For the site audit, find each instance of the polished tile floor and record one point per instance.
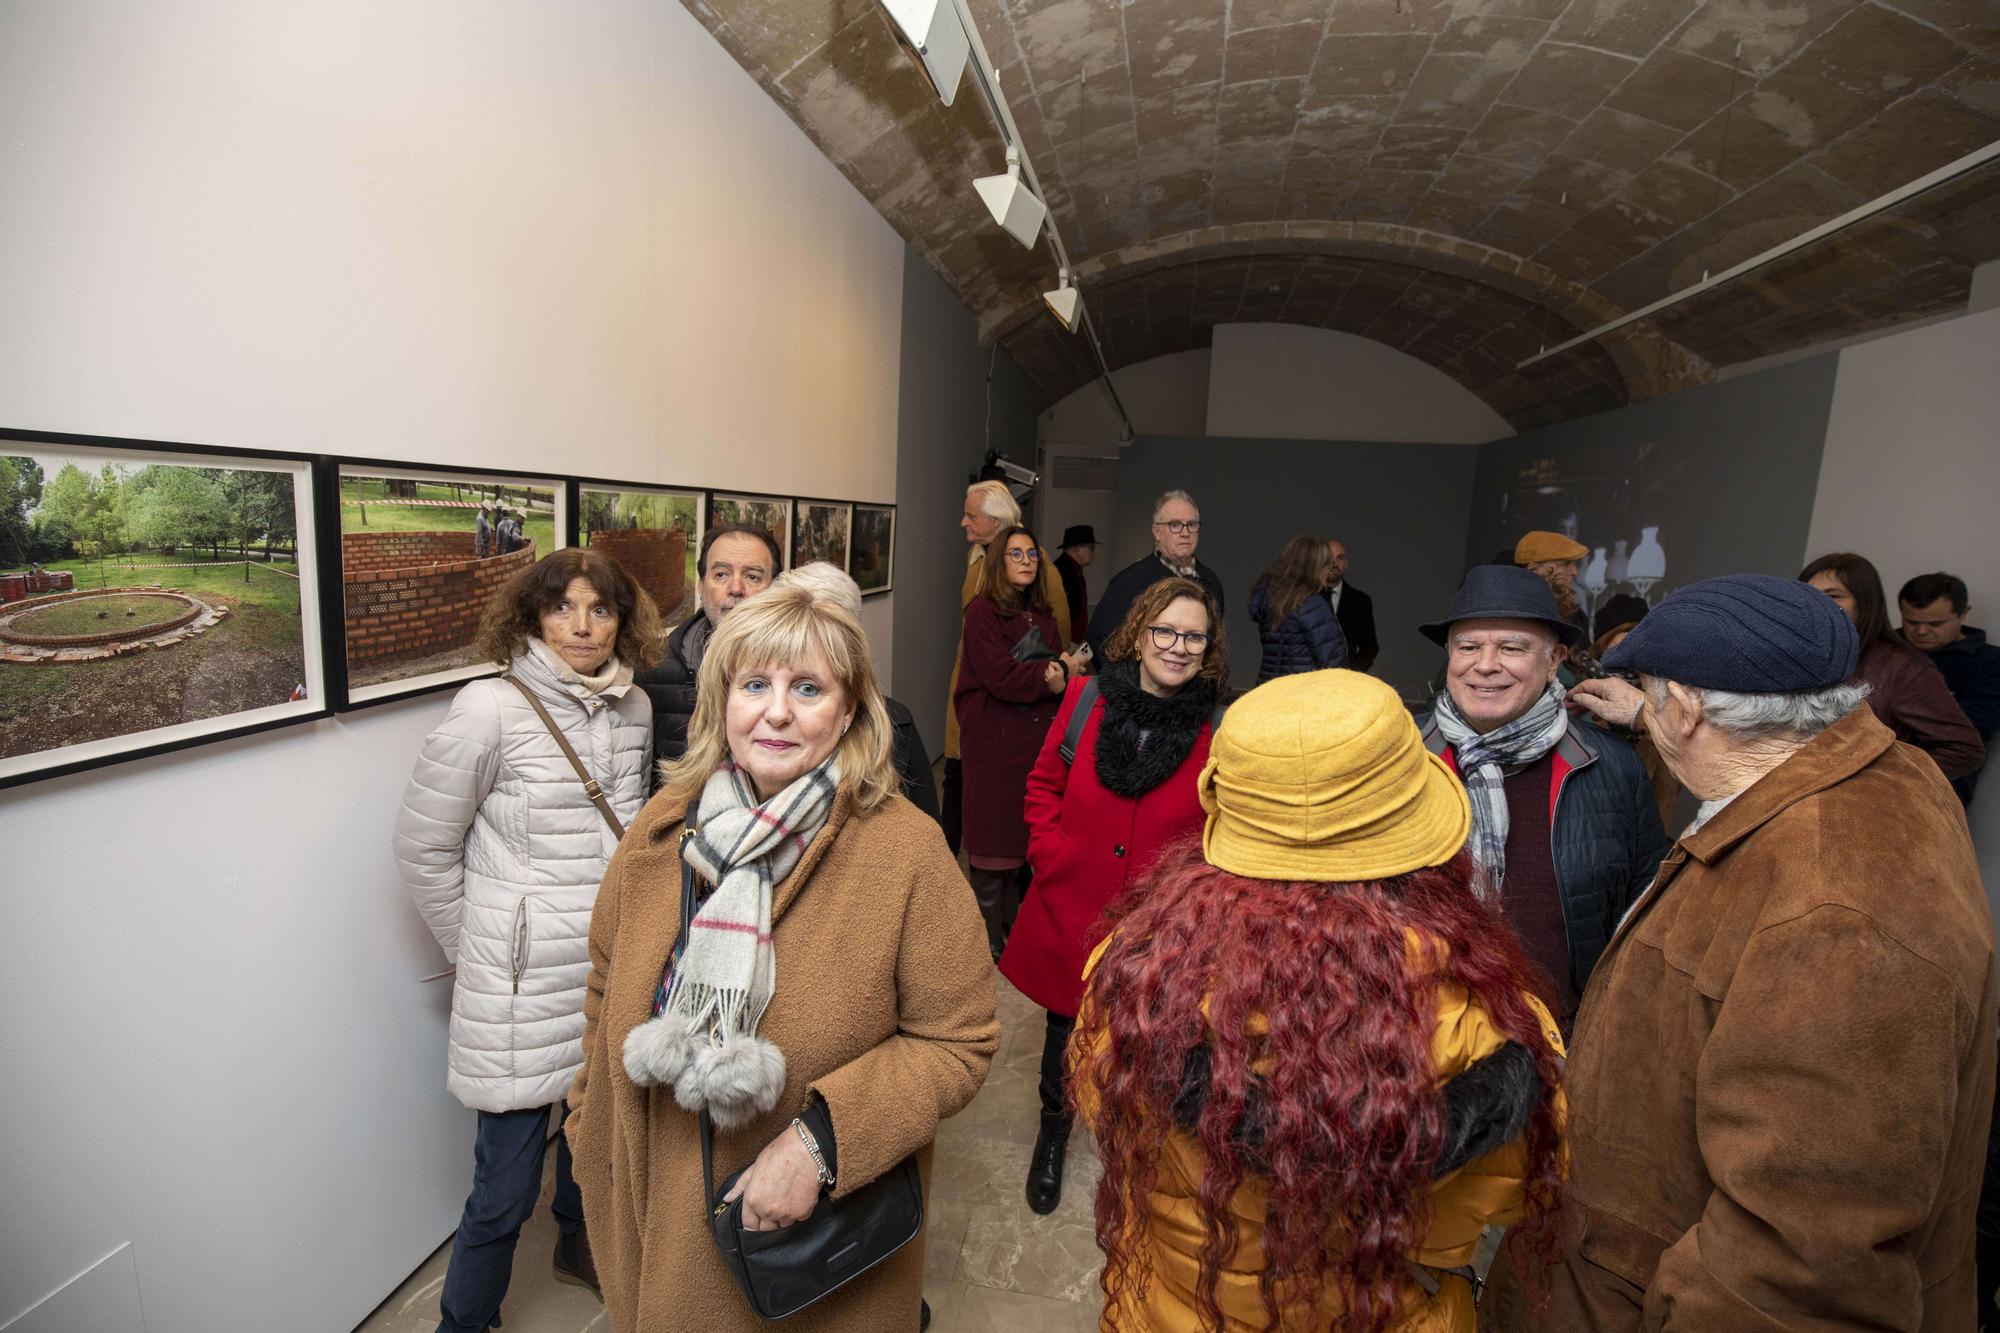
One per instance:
(991, 1265)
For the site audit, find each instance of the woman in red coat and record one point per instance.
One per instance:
(1009, 683)
(1096, 822)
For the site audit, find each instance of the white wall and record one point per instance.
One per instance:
(1911, 479)
(1167, 395)
(1289, 382)
(566, 237)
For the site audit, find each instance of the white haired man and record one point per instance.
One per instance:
(1176, 533)
(1783, 1067)
(990, 510)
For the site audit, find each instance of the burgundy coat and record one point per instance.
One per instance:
(1908, 693)
(1086, 844)
(1004, 708)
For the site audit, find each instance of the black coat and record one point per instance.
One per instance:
(1309, 639)
(1357, 624)
(1125, 588)
(913, 761)
(1607, 836)
(671, 687)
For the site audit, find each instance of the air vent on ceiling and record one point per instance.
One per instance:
(1075, 473)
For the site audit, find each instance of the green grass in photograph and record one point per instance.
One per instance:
(101, 615)
(273, 585)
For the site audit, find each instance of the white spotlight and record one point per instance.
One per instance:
(1012, 204)
(1065, 303)
(932, 32)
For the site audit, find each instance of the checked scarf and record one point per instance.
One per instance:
(1482, 763)
(703, 1035)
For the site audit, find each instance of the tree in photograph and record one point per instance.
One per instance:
(179, 506)
(20, 491)
(88, 511)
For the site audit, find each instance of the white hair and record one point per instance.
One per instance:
(826, 582)
(996, 501)
(1168, 497)
(1800, 714)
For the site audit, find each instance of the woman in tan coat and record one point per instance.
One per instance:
(833, 1003)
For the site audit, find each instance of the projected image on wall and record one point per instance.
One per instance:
(1618, 501)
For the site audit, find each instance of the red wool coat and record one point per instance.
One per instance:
(1086, 844)
(1003, 709)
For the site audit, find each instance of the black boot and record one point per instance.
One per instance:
(1045, 1167)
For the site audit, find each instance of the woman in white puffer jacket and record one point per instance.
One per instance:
(502, 847)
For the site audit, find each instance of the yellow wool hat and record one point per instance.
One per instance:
(1535, 547)
(1322, 776)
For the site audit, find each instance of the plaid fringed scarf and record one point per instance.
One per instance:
(1482, 762)
(703, 1038)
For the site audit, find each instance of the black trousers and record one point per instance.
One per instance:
(952, 801)
(1055, 1044)
(1986, 1245)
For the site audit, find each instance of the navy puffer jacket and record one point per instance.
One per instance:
(1309, 639)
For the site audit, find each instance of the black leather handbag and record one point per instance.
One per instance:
(782, 1272)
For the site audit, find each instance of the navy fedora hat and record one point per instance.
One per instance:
(1503, 592)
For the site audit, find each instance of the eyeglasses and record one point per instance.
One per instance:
(1027, 557)
(1165, 638)
(1180, 527)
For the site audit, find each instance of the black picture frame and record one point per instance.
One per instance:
(781, 532)
(582, 486)
(870, 583)
(844, 509)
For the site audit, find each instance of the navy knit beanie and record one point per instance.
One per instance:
(1746, 632)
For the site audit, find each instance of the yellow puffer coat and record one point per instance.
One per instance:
(1484, 1192)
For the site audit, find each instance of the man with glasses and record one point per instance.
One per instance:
(1176, 532)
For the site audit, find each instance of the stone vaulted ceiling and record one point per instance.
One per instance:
(1467, 180)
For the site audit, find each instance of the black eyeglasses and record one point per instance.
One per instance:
(1180, 527)
(1165, 638)
(1024, 557)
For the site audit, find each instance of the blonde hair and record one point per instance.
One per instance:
(996, 501)
(789, 625)
(826, 582)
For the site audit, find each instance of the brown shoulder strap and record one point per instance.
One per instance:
(590, 787)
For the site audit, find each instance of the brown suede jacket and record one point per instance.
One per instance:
(1783, 1067)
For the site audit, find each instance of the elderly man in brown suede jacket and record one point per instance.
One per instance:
(1783, 1065)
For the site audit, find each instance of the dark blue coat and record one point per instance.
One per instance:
(1309, 639)
(1607, 837)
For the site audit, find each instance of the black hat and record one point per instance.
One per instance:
(1616, 613)
(1752, 633)
(1503, 592)
(1079, 534)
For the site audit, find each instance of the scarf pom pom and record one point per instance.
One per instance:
(658, 1051)
(736, 1081)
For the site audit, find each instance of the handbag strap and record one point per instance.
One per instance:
(590, 787)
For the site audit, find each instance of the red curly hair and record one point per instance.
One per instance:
(1353, 1117)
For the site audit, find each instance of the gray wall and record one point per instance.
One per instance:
(1400, 508)
(1726, 472)
(940, 442)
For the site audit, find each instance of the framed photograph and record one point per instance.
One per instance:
(873, 562)
(152, 597)
(821, 530)
(420, 554)
(654, 533)
(769, 512)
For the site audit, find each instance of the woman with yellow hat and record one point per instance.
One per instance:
(1316, 1065)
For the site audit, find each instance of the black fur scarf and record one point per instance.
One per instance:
(1141, 738)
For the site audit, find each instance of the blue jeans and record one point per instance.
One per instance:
(506, 1178)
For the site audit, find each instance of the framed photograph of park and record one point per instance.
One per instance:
(420, 553)
(873, 561)
(152, 597)
(769, 512)
(654, 533)
(821, 530)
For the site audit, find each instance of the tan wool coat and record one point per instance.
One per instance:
(884, 1007)
(1783, 1067)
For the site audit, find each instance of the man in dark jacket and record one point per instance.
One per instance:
(1176, 532)
(1355, 610)
(1783, 1067)
(1564, 826)
(1079, 548)
(737, 562)
(1934, 608)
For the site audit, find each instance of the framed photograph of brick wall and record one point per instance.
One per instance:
(654, 532)
(415, 555)
(872, 560)
(152, 597)
(770, 512)
(821, 530)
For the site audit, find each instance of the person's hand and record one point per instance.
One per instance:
(1055, 677)
(1610, 700)
(780, 1187)
(1076, 658)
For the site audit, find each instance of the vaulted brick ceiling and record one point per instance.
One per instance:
(1468, 180)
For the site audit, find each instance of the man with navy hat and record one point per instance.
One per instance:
(1564, 826)
(1783, 1067)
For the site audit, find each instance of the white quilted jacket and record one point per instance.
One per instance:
(502, 851)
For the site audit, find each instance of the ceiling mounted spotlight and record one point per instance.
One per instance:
(1065, 303)
(1012, 204)
(933, 34)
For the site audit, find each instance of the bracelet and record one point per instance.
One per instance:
(812, 1150)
